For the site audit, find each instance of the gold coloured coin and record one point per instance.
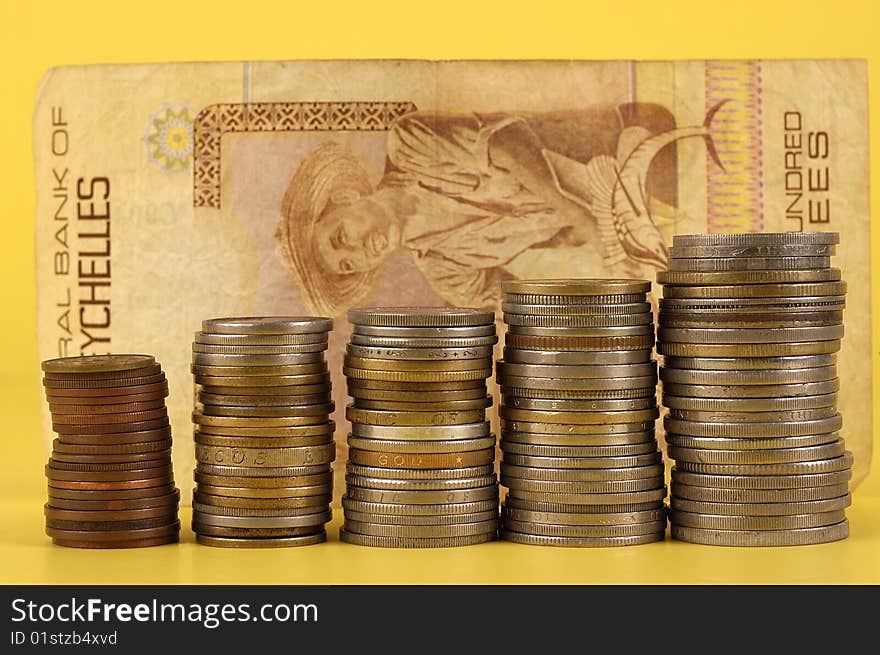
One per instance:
(576, 287)
(421, 316)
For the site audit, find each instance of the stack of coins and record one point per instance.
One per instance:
(750, 325)
(111, 483)
(421, 458)
(264, 438)
(578, 382)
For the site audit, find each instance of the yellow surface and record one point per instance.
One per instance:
(38, 35)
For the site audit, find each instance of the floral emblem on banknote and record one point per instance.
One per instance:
(169, 138)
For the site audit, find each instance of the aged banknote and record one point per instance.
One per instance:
(168, 193)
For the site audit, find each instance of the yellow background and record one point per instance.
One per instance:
(36, 36)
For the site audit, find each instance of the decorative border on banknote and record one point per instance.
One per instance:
(216, 120)
(734, 200)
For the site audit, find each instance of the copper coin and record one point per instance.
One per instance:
(93, 536)
(143, 372)
(65, 451)
(114, 505)
(117, 438)
(104, 385)
(112, 495)
(109, 428)
(112, 526)
(112, 485)
(218, 531)
(68, 462)
(261, 442)
(308, 480)
(171, 538)
(110, 396)
(97, 364)
(110, 418)
(83, 409)
(106, 515)
(146, 471)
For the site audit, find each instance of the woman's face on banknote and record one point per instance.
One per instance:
(356, 237)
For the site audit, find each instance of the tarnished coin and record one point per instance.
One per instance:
(750, 443)
(425, 332)
(422, 433)
(430, 512)
(576, 358)
(757, 457)
(420, 520)
(480, 403)
(112, 494)
(593, 405)
(590, 501)
(418, 376)
(419, 366)
(118, 438)
(563, 300)
(751, 429)
(578, 343)
(403, 475)
(567, 440)
(115, 538)
(603, 371)
(320, 411)
(304, 520)
(576, 287)
(67, 462)
(409, 447)
(421, 531)
(754, 482)
(840, 463)
(581, 486)
(415, 386)
(204, 420)
(782, 404)
(579, 394)
(576, 429)
(577, 321)
(262, 400)
(750, 239)
(579, 384)
(572, 309)
(294, 431)
(760, 509)
(266, 457)
(261, 542)
(581, 332)
(97, 430)
(572, 418)
(749, 263)
(60, 448)
(261, 340)
(226, 360)
(748, 349)
(402, 418)
(306, 383)
(380, 396)
(582, 462)
(248, 473)
(584, 519)
(756, 291)
(574, 453)
(252, 373)
(768, 320)
(488, 339)
(421, 316)
(267, 325)
(279, 503)
(397, 460)
(295, 349)
(789, 495)
(513, 502)
(752, 391)
(750, 363)
(752, 417)
(759, 304)
(777, 276)
(414, 542)
(109, 396)
(488, 491)
(749, 335)
(796, 537)
(390, 484)
(102, 420)
(102, 386)
(778, 522)
(419, 354)
(510, 472)
(752, 251)
(308, 494)
(584, 531)
(120, 408)
(580, 542)
(111, 504)
(97, 365)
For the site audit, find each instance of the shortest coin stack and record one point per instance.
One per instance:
(421, 456)
(264, 438)
(581, 462)
(111, 483)
(750, 326)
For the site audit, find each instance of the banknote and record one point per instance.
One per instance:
(168, 193)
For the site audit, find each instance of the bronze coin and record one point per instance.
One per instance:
(83, 409)
(421, 460)
(109, 396)
(309, 491)
(415, 386)
(109, 428)
(117, 438)
(109, 450)
(170, 538)
(110, 418)
(112, 526)
(112, 495)
(116, 364)
(114, 505)
(296, 502)
(123, 383)
(112, 485)
(261, 442)
(218, 531)
(128, 462)
(293, 390)
(146, 471)
(308, 480)
(120, 376)
(111, 536)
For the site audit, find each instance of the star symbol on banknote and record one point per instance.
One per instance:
(169, 137)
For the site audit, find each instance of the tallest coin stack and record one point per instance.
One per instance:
(750, 325)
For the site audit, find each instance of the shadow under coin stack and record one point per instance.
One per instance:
(750, 325)
(578, 382)
(421, 458)
(264, 438)
(111, 483)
